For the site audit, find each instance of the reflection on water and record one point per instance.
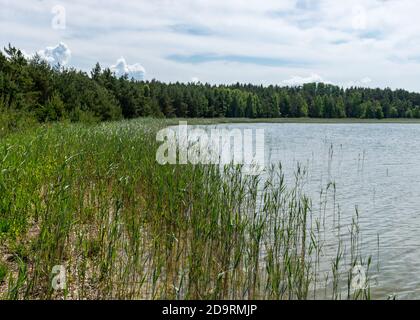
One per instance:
(376, 169)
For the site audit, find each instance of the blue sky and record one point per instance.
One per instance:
(373, 43)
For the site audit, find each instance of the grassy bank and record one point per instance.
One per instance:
(93, 199)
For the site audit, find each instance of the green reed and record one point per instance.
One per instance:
(94, 199)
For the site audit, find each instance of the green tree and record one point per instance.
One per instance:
(284, 103)
(339, 108)
(251, 106)
(393, 113)
(409, 114)
(317, 109)
(54, 109)
(299, 107)
(379, 114)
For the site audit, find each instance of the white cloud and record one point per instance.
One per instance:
(195, 80)
(135, 71)
(60, 54)
(340, 40)
(366, 80)
(298, 80)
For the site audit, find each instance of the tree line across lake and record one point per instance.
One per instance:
(32, 89)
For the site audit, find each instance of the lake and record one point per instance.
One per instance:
(376, 168)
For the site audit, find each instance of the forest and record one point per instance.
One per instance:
(33, 91)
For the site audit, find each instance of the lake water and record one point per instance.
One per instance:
(376, 168)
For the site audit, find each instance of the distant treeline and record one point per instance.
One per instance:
(34, 88)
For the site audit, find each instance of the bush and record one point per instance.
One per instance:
(53, 110)
(409, 114)
(393, 113)
(84, 116)
(13, 121)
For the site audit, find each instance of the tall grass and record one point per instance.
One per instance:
(93, 198)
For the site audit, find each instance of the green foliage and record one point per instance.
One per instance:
(3, 272)
(409, 114)
(379, 114)
(317, 108)
(84, 116)
(53, 110)
(340, 111)
(416, 112)
(12, 120)
(36, 90)
(251, 106)
(298, 107)
(393, 113)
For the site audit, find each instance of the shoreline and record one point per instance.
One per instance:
(295, 120)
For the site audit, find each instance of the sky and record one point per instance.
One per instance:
(371, 43)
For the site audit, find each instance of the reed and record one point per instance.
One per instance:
(93, 199)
